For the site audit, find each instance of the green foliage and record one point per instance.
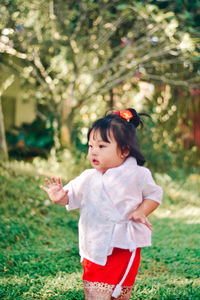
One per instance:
(30, 140)
(39, 241)
(186, 11)
(71, 55)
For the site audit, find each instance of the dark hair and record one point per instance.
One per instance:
(124, 131)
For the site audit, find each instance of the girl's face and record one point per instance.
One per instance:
(105, 155)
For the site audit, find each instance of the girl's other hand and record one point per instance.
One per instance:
(138, 216)
(55, 191)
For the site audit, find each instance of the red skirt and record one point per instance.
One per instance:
(114, 269)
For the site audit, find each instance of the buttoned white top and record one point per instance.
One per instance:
(105, 202)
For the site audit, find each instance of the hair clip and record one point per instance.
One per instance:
(125, 114)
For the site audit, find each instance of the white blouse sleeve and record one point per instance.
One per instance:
(75, 190)
(150, 189)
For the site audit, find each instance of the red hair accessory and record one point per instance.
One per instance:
(125, 114)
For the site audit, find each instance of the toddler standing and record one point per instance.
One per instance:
(115, 198)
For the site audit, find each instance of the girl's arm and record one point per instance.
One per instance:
(56, 192)
(143, 210)
(147, 206)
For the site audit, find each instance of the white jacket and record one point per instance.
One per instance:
(105, 202)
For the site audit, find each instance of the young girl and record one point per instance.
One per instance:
(115, 198)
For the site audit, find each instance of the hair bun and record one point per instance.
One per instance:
(131, 116)
(135, 120)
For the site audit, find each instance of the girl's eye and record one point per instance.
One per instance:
(101, 146)
(90, 146)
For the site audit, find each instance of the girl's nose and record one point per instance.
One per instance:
(94, 150)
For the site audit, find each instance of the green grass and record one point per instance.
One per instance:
(39, 242)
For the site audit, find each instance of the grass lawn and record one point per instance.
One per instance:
(39, 242)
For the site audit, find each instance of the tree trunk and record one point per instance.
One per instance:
(3, 145)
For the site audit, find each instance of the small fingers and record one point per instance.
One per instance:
(130, 217)
(47, 181)
(44, 188)
(148, 224)
(56, 181)
(59, 181)
(142, 220)
(53, 179)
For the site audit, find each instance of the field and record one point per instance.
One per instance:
(39, 242)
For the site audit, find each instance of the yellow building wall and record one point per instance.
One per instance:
(24, 111)
(16, 110)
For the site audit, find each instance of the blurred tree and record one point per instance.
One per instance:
(3, 144)
(176, 109)
(187, 12)
(70, 52)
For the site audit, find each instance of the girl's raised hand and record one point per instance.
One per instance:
(55, 191)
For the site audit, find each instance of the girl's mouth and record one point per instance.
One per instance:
(95, 162)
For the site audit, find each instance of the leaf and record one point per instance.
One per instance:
(122, 6)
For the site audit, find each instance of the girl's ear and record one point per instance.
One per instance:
(125, 153)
